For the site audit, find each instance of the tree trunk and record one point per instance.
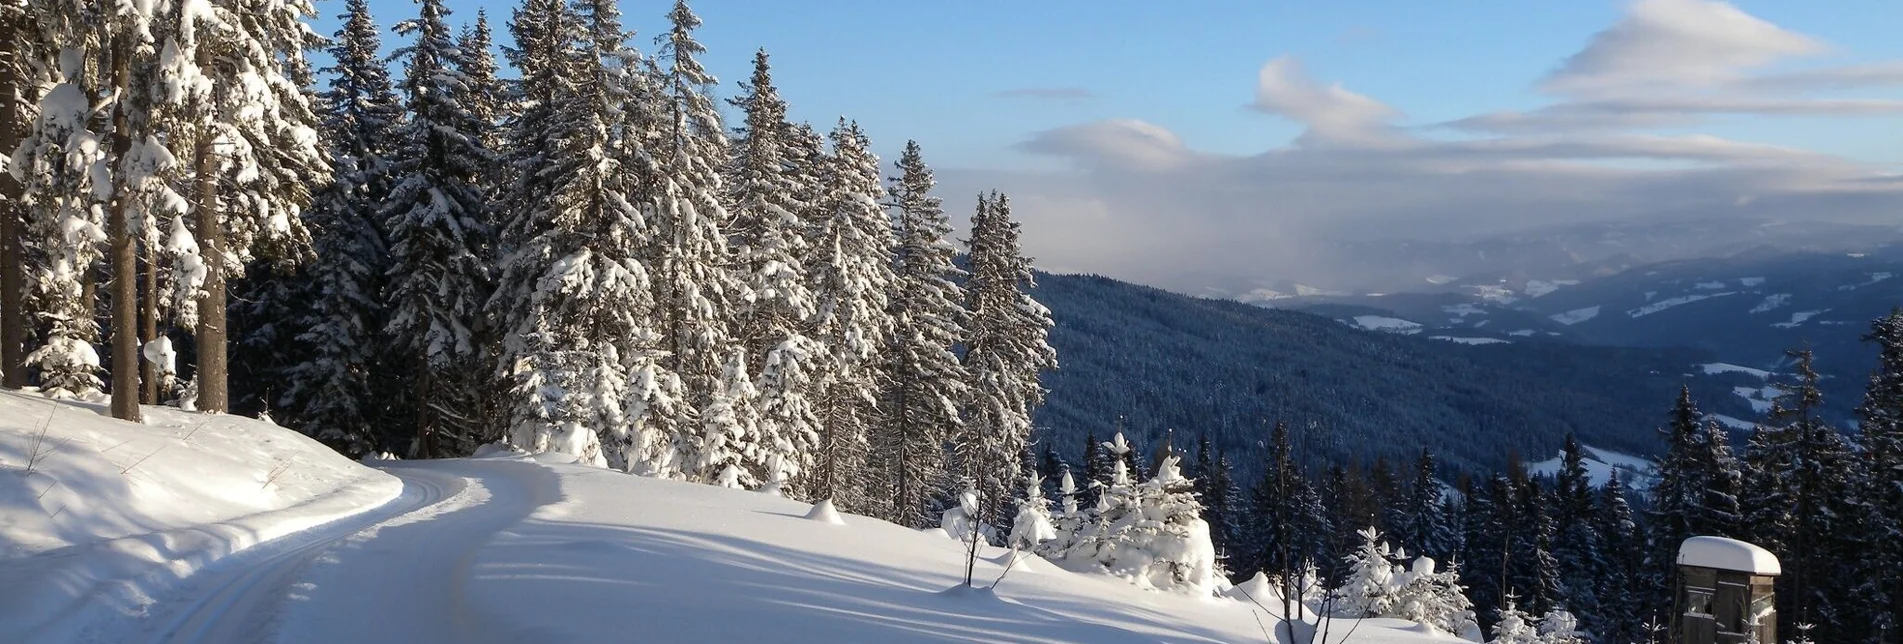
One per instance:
(420, 447)
(12, 282)
(213, 396)
(149, 322)
(124, 254)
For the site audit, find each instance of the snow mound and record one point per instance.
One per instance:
(108, 513)
(823, 512)
(1576, 316)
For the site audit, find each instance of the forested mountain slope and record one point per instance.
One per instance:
(1149, 361)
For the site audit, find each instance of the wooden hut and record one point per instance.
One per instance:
(1724, 593)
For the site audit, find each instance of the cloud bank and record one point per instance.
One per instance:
(1137, 203)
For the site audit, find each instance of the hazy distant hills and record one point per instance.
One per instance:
(1148, 361)
(1746, 309)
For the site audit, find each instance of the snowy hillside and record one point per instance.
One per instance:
(219, 528)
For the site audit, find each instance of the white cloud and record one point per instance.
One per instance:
(1125, 143)
(1676, 43)
(1332, 114)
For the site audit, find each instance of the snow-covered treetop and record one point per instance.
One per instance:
(1728, 554)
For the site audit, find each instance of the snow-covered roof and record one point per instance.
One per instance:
(1727, 554)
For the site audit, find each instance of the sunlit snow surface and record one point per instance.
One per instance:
(200, 543)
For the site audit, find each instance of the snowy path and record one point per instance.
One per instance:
(392, 574)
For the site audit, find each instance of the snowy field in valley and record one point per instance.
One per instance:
(220, 528)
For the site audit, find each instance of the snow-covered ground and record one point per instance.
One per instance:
(1576, 316)
(1714, 368)
(1637, 472)
(1461, 340)
(217, 528)
(1387, 324)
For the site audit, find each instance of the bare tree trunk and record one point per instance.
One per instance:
(124, 254)
(213, 396)
(12, 277)
(421, 447)
(149, 322)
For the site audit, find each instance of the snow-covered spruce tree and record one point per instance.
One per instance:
(437, 217)
(342, 388)
(19, 92)
(1217, 492)
(1531, 568)
(582, 349)
(1424, 596)
(1422, 525)
(1561, 627)
(1879, 482)
(1150, 533)
(1034, 524)
(695, 284)
(488, 93)
(769, 240)
(1625, 546)
(255, 160)
(1006, 349)
(1696, 493)
(925, 384)
(1069, 523)
(1515, 626)
(1577, 547)
(1370, 587)
(1795, 473)
(56, 165)
(730, 437)
(1286, 523)
(851, 272)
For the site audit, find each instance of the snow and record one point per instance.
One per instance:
(1667, 303)
(1576, 316)
(1772, 302)
(823, 512)
(1750, 282)
(1438, 280)
(1601, 465)
(1387, 324)
(1798, 318)
(1520, 333)
(1732, 422)
(199, 543)
(1759, 397)
(1495, 293)
(1537, 288)
(1475, 341)
(114, 511)
(1715, 368)
(1709, 286)
(1463, 310)
(1874, 278)
(1727, 554)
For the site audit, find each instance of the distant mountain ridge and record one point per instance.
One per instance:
(1148, 361)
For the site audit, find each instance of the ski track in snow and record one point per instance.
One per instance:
(394, 573)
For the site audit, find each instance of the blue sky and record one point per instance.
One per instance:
(1138, 136)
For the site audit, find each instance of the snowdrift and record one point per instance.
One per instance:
(111, 511)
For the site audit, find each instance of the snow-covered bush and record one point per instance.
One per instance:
(1151, 533)
(1515, 627)
(1033, 523)
(1560, 627)
(1435, 599)
(1370, 587)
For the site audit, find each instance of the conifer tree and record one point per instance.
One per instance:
(1422, 525)
(925, 384)
(336, 392)
(769, 245)
(852, 276)
(1006, 346)
(1096, 470)
(696, 288)
(1576, 543)
(1795, 486)
(437, 219)
(1696, 493)
(1624, 603)
(1216, 490)
(19, 47)
(1879, 483)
